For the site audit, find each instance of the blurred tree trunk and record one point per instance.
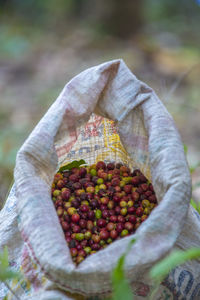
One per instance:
(122, 18)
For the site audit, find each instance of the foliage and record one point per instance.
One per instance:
(5, 272)
(121, 288)
(195, 205)
(177, 257)
(73, 164)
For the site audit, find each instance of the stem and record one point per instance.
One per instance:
(7, 285)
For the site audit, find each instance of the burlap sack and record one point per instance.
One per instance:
(68, 131)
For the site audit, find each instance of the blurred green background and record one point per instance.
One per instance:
(44, 43)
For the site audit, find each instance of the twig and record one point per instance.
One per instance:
(179, 80)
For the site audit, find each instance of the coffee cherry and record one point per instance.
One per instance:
(99, 204)
(110, 166)
(111, 212)
(87, 235)
(90, 189)
(84, 208)
(87, 250)
(109, 177)
(139, 211)
(96, 238)
(101, 223)
(79, 259)
(90, 225)
(91, 215)
(123, 203)
(60, 211)
(113, 234)
(130, 203)
(132, 219)
(83, 243)
(75, 218)
(82, 253)
(144, 187)
(57, 177)
(118, 165)
(94, 204)
(128, 189)
(144, 217)
(93, 172)
(135, 180)
(123, 211)
(116, 198)
(65, 226)
(100, 165)
(124, 232)
(74, 177)
(111, 204)
(129, 226)
(82, 172)
(104, 200)
(95, 247)
(79, 236)
(117, 210)
(110, 226)
(119, 227)
(98, 214)
(115, 182)
(145, 203)
(74, 252)
(135, 196)
(75, 203)
(77, 186)
(104, 234)
(120, 219)
(113, 218)
(71, 210)
(117, 189)
(105, 214)
(66, 217)
(153, 199)
(147, 211)
(79, 247)
(76, 228)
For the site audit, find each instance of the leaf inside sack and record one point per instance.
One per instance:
(73, 164)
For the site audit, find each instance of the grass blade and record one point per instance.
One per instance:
(161, 269)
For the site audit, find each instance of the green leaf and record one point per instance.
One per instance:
(193, 203)
(185, 149)
(73, 164)
(121, 288)
(4, 263)
(178, 257)
(5, 272)
(193, 168)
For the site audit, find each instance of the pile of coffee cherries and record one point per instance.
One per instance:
(99, 204)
